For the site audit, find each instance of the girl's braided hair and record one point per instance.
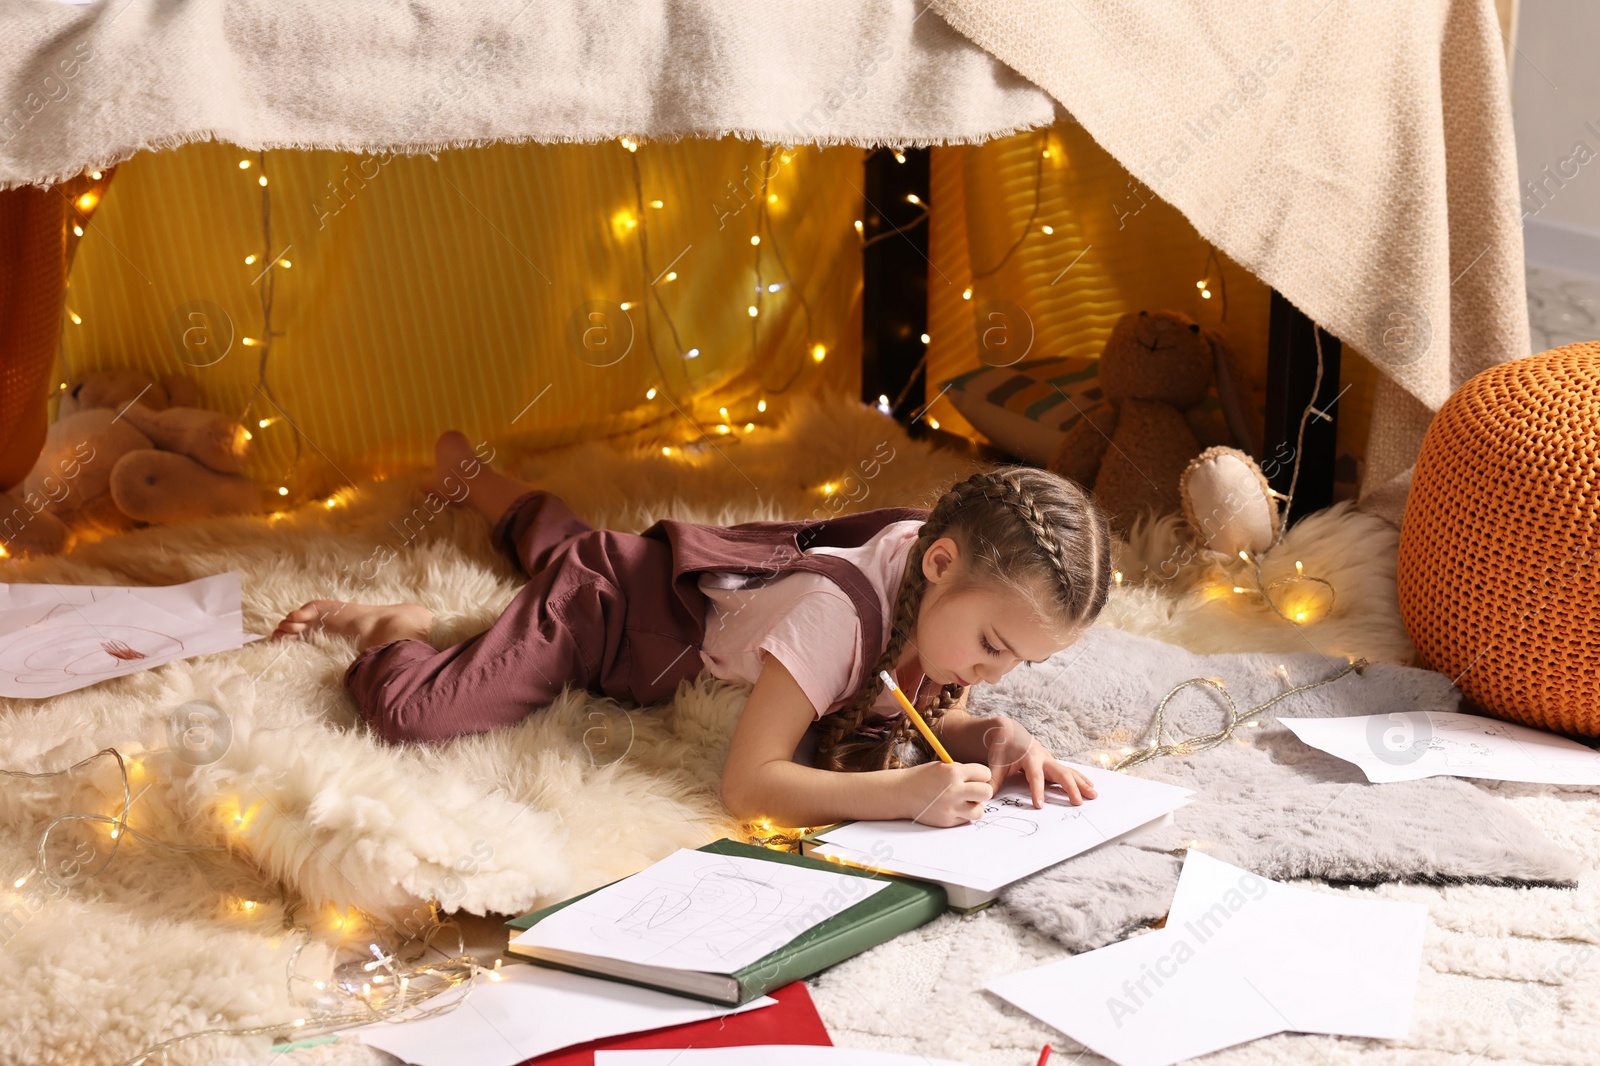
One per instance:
(1033, 531)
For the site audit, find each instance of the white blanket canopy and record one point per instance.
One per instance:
(1356, 157)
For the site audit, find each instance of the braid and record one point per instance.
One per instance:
(1043, 520)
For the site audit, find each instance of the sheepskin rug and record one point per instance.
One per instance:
(310, 820)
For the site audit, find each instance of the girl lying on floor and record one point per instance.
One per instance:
(1009, 566)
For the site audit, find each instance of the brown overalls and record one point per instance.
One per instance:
(620, 614)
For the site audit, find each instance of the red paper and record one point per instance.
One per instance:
(792, 1020)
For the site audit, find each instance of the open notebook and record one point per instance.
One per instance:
(1012, 840)
(727, 922)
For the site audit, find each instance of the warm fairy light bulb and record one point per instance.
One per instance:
(262, 180)
(827, 488)
(775, 286)
(248, 904)
(761, 406)
(692, 353)
(625, 305)
(784, 158)
(934, 423)
(772, 197)
(818, 352)
(87, 201)
(1045, 153)
(672, 275)
(755, 239)
(1048, 230)
(77, 231)
(723, 411)
(748, 426)
(1205, 294)
(249, 260)
(96, 175)
(657, 204)
(666, 449)
(650, 394)
(1244, 555)
(19, 882)
(911, 198)
(244, 164)
(858, 227)
(285, 264)
(1299, 569)
(723, 428)
(753, 311)
(966, 293)
(1116, 576)
(926, 339)
(1236, 588)
(630, 144)
(283, 490)
(899, 156)
(76, 321)
(264, 423)
(883, 404)
(1300, 616)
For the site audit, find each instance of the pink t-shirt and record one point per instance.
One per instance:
(805, 621)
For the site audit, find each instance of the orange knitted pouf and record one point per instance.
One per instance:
(1498, 577)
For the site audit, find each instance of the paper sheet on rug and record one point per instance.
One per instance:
(1012, 839)
(767, 1055)
(1408, 745)
(695, 910)
(58, 638)
(532, 1011)
(1240, 957)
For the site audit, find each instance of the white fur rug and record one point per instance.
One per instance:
(311, 816)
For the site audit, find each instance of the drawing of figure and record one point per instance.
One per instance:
(53, 654)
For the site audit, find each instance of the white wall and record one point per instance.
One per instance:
(1555, 94)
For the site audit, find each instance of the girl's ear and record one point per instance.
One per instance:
(939, 559)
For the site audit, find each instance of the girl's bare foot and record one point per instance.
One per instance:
(367, 624)
(460, 475)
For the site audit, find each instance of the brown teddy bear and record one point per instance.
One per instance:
(1133, 446)
(121, 455)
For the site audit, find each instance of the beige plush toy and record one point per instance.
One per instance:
(1132, 447)
(113, 461)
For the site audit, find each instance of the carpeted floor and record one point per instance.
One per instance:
(305, 816)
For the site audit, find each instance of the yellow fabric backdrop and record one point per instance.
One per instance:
(483, 289)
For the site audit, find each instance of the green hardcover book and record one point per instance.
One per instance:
(902, 906)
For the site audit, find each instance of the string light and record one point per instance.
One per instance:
(753, 310)
(657, 204)
(672, 275)
(966, 293)
(1116, 578)
(692, 353)
(762, 406)
(933, 422)
(76, 320)
(77, 230)
(249, 260)
(629, 143)
(818, 353)
(625, 305)
(87, 201)
(1047, 230)
(244, 164)
(1157, 749)
(756, 239)
(883, 404)
(262, 181)
(650, 393)
(912, 198)
(926, 339)
(899, 156)
(96, 175)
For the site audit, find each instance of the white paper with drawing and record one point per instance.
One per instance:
(697, 911)
(58, 638)
(1407, 745)
(1012, 839)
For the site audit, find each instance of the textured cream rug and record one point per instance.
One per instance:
(310, 816)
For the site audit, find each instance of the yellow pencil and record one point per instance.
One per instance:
(916, 719)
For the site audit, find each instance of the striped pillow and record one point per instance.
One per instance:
(1026, 408)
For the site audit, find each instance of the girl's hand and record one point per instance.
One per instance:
(946, 794)
(1012, 748)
